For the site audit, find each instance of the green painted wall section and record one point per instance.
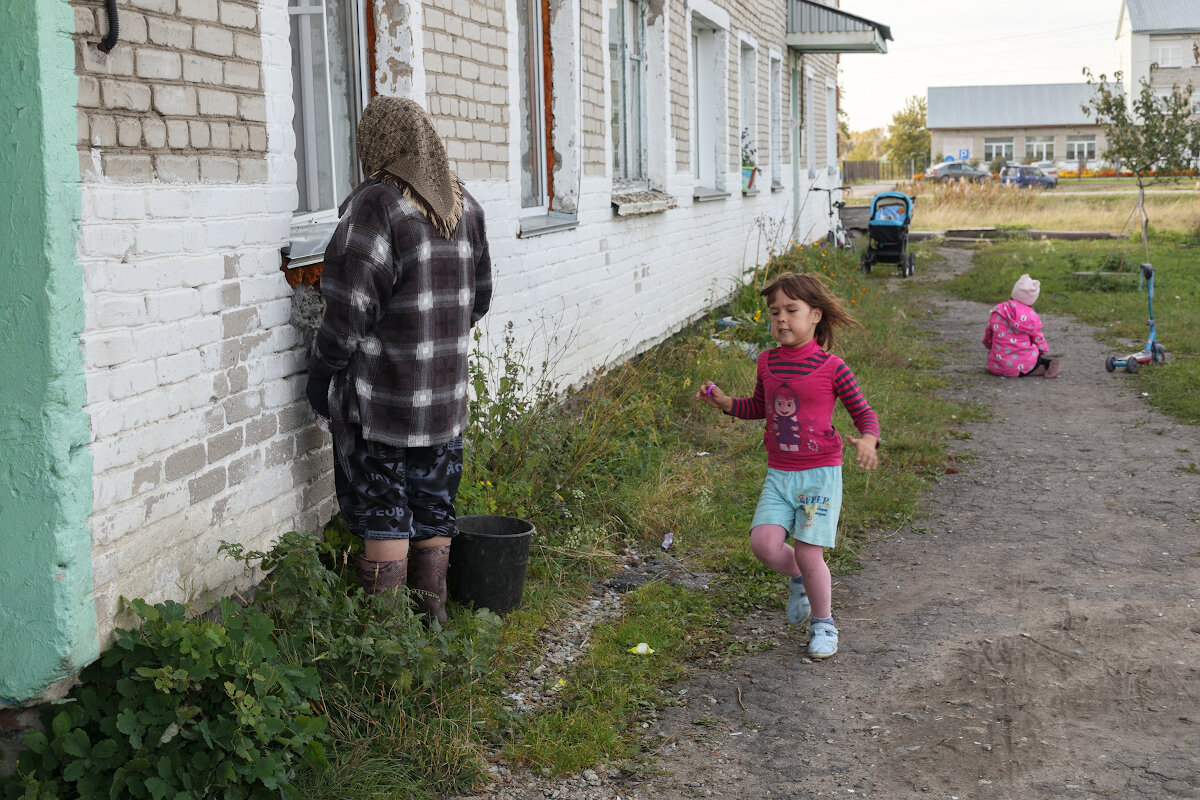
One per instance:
(47, 618)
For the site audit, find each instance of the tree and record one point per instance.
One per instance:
(1146, 133)
(843, 124)
(865, 145)
(908, 138)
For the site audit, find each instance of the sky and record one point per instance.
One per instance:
(947, 43)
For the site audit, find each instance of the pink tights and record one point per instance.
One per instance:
(768, 545)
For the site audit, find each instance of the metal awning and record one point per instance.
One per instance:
(813, 27)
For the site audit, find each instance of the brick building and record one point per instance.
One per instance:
(1021, 123)
(152, 376)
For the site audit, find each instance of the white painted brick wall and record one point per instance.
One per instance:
(195, 374)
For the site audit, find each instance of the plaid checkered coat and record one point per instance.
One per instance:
(400, 303)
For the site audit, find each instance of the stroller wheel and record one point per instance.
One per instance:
(867, 263)
(1111, 363)
(1131, 365)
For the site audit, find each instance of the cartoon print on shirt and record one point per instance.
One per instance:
(784, 424)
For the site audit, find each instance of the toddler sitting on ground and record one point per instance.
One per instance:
(1014, 338)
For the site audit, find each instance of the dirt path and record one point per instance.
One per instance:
(1036, 635)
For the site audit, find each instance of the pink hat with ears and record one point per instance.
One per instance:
(1026, 290)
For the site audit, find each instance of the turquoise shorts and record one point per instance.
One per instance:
(805, 503)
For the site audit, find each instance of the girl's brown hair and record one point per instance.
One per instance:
(812, 290)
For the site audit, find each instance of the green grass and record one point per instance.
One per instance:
(1112, 302)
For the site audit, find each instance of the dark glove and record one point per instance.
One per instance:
(317, 391)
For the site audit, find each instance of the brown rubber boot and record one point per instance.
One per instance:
(1052, 369)
(428, 580)
(380, 577)
(1040, 369)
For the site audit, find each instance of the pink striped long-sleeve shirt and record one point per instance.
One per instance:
(795, 392)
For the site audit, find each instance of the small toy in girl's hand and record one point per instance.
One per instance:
(642, 649)
(708, 391)
(667, 540)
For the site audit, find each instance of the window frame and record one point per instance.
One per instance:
(1006, 144)
(1172, 49)
(705, 98)
(810, 120)
(1039, 148)
(628, 108)
(1072, 147)
(360, 78)
(534, 123)
(831, 129)
(775, 115)
(748, 96)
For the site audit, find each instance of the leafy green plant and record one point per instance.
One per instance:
(182, 707)
(398, 696)
(357, 643)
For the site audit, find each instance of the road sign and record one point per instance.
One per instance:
(963, 154)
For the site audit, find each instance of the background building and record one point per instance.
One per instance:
(1028, 123)
(1158, 41)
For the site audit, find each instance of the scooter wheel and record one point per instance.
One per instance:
(1131, 364)
(1111, 363)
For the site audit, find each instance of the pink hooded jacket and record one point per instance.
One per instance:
(1013, 338)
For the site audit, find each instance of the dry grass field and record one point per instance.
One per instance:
(964, 205)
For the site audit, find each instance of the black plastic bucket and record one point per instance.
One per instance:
(488, 559)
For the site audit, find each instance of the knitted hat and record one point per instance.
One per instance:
(396, 138)
(1026, 290)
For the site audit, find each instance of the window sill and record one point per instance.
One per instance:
(541, 224)
(638, 201)
(749, 192)
(303, 257)
(307, 243)
(702, 194)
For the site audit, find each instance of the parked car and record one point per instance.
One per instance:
(1022, 175)
(957, 170)
(1047, 168)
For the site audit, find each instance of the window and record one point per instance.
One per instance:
(748, 103)
(329, 92)
(775, 111)
(627, 60)
(705, 108)
(1081, 147)
(531, 60)
(810, 121)
(830, 124)
(1039, 148)
(1000, 147)
(1167, 53)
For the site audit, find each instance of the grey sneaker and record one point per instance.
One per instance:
(822, 641)
(798, 607)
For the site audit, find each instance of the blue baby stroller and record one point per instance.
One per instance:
(887, 232)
